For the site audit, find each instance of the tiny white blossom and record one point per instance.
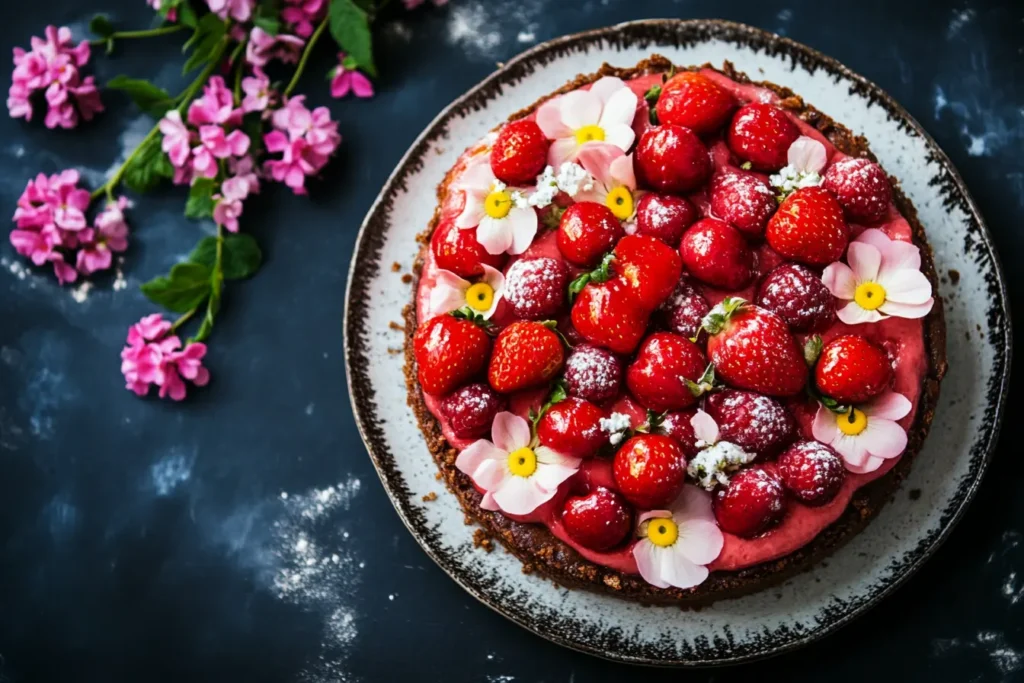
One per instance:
(498, 186)
(616, 423)
(712, 465)
(519, 199)
(572, 178)
(547, 189)
(789, 179)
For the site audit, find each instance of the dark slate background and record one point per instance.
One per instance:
(146, 541)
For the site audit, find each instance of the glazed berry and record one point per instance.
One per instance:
(458, 251)
(664, 217)
(649, 470)
(671, 159)
(743, 200)
(449, 352)
(812, 472)
(586, 232)
(573, 428)
(677, 426)
(650, 269)
(761, 134)
(799, 297)
(852, 369)
(598, 520)
(470, 410)
(608, 316)
(657, 378)
(526, 354)
(593, 374)
(520, 153)
(693, 100)
(684, 310)
(714, 252)
(752, 502)
(758, 424)
(861, 187)
(535, 288)
(809, 228)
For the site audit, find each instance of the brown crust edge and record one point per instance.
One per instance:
(540, 551)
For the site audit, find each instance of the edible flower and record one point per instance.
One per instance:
(602, 114)
(452, 292)
(503, 219)
(677, 544)
(866, 435)
(716, 459)
(614, 182)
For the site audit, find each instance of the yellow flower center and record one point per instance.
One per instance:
(662, 532)
(480, 296)
(869, 295)
(620, 201)
(591, 133)
(498, 204)
(853, 422)
(523, 462)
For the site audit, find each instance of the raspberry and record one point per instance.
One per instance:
(593, 374)
(664, 216)
(744, 200)
(536, 288)
(861, 187)
(757, 424)
(598, 520)
(471, 409)
(812, 472)
(684, 310)
(676, 425)
(753, 501)
(799, 297)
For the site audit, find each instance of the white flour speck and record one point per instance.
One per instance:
(16, 268)
(170, 471)
(471, 27)
(526, 37)
(81, 293)
(960, 19)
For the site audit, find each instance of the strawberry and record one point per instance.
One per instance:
(520, 153)
(677, 426)
(572, 427)
(799, 297)
(753, 501)
(586, 232)
(664, 216)
(526, 354)
(684, 310)
(671, 159)
(757, 424)
(752, 349)
(716, 253)
(593, 374)
(809, 228)
(852, 369)
(535, 288)
(649, 470)
(449, 352)
(695, 101)
(861, 187)
(471, 409)
(458, 251)
(742, 200)
(812, 472)
(607, 315)
(599, 520)
(649, 267)
(657, 378)
(761, 134)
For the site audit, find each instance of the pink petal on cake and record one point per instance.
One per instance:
(448, 294)
(490, 474)
(889, 406)
(905, 286)
(478, 176)
(897, 255)
(520, 495)
(622, 172)
(549, 118)
(549, 456)
(494, 234)
(864, 260)
(510, 432)
(704, 427)
(807, 154)
(606, 87)
(488, 503)
(472, 213)
(496, 281)
(653, 514)
(840, 280)
(561, 151)
(883, 438)
(871, 463)
(693, 504)
(619, 109)
(549, 477)
(621, 135)
(476, 454)
(597, 158)
(580, 108)
(851, 448)
(700, 541)
(648, 562)
(824, 427)
(523, 228)
(677, 570)
(911, 311)
(853, 314)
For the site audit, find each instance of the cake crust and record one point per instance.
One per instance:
(540, 551)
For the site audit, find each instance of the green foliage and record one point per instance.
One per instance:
(240, 255)
(148, 167)
(184, 288)
(209, 32)
(149, 98)
(200, 198)
(350, 26)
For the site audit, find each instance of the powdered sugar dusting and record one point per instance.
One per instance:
(592, 374)
(536, 288)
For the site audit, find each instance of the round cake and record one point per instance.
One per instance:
(675, 334)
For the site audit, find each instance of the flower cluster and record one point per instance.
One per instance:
(305, 140)
(263, 47)
(52, 66)
(300, 16)
(154, 356)
(413, 4)
(345, 78)
(239, 10)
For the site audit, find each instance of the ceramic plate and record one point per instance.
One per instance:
(947, 472)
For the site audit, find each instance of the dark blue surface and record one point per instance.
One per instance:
(146, 541)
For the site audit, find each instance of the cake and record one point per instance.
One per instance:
(675, 334)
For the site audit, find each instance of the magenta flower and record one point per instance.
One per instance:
(345, 79)
(257, 91)
(305, 139)
(228, 205)
(301, 15)
(413, 4)
(216, 106)
(177, 142)
(239, 10)
(221, 145)
(263, 47)
(109, 235)
(294, 164)
(245, 168)
(154, 358)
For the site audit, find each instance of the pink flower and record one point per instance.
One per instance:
(866, 435)
(302, 15)
(883, 279)
(294, 165)
(150, 328)
(503, 219)
(186, 364)
(257, 91)
(216, 106)
(516, 474)
(715, 459)
(245, 168)
(177, 142)
(602, 114)
(345, 79)
(806, 157)
(239, 10)
(412, 4)
(228, 205)
(154, 358)
(172, 14)
(451, 292)
(263, 47)
(221, 145)
(677, 544)
(614, 182)
(109, 235)
(306, 139)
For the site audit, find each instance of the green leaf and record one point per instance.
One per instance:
(200, 198)
(146, 96)
(148, 167)
(187, 15)
(212, 308)
(240, 257)
(269, 24)
(350, 27)
(205, 40)
(100, 26)
(184, 288)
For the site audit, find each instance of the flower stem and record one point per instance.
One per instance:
(147, 33)
(305, 57)
(182, 319)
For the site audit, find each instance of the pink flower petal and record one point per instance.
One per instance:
(895, 253)
(693, 504)
(704, 427)
(523, 227)
(478, 177)
(478, 452)
(824, 427)
(490, 473)
(807, 155)
(580, 108)
(495, 234)
(472, 213)
(621, 135)
(606, 87)
(883, 438)
(488, 503)
(905, 286)
(510, 432)
(449, 293)
(911, 311)
(852, 448)
(648, 562)
(549, 119)
(889, 406)
(520, 495)
(652, 514)
(496, 281)
(549, 456)
(869, 464)
(864, 261)
(548, 477)
(679, 571)
(622, 173)
(840, 280)
(562, 150)
(597, 159)
(619, 109)
(853, 314)
(700, 541)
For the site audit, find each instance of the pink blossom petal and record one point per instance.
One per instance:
(807, 155)
(549, 119)
(475, 455)
(620, 135)
(562, 150)
(606, 87)
(840, 280)
(648, 562)
(704, 427)
(488, 503)
(520, 495)
(448, 294)
(550, 456)
(496, 281)
(495, 234)
(478, 177)
(870, 463)
(905, 286)
(693, 504)
(852, 448)
(361, 85)
(490, 473)
(889, 406)
(911, 311)
(679, 571)
(864, 261)
(597, 158)
(472, 213)
(700, 541)
(622, 172)
(619, 109)
(510, 432)
(853, 314)
(523, 227)
(895, 253)
(548, 477)
(824, 427)
(580, 108)
(883, 438)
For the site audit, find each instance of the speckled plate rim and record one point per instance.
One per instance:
(363, 268)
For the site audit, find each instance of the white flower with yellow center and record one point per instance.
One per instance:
(614, 181)
(867, 435)
(604, 113)
(503, 219)
(452, 292)
(677, 544)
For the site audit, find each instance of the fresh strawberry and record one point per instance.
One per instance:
(657, 378)
(449, 352)
(572, 427)
(812, 472)
(862, 189)
(757, 424)
(742, 200)
(852, 369)
(593, 374)
(716, 253)
(799, 297)
(752, 502)
(535, 288)
(520, 153)
(677, 426)
(695, 101)
(649, 470)
(599, 520)
(586, 232)
(809, 228)
(761, 133)
(458, 251)
(671, 159)
(751, 348)
(471, 409)
(684, 310)
(526, 354)
(664, 216)
(649, 267)
(608, 316)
